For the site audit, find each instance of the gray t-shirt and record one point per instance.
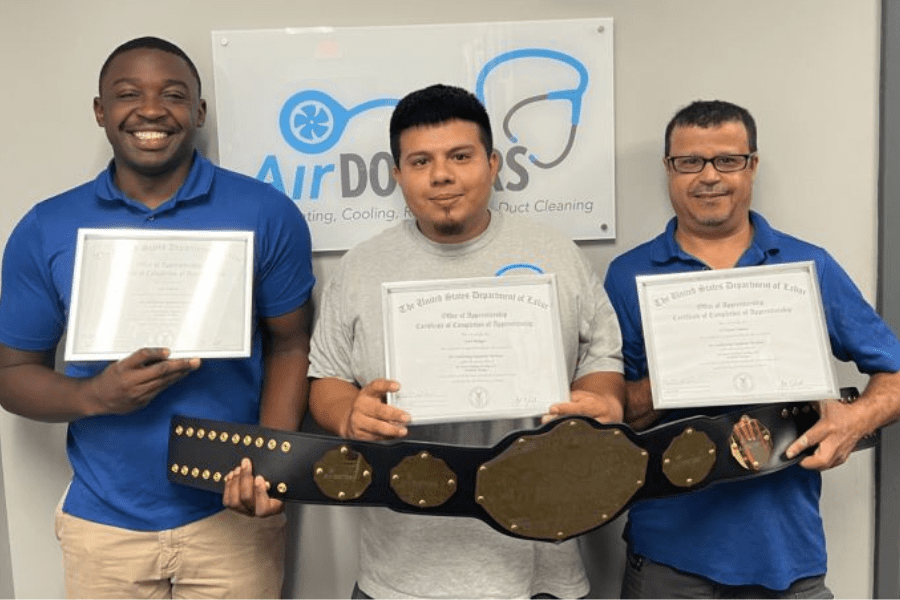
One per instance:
(413, 556)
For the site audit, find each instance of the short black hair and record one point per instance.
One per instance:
(153, 43)
(438, 104)
(712, 113)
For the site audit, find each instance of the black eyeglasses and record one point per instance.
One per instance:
(724, 163)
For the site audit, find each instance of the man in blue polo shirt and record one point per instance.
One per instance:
(761, 537)
(125, 530)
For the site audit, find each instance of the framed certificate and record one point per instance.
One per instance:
(473, 349)
(736, 336)
(189, 291)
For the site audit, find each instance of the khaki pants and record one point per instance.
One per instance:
(227, 555)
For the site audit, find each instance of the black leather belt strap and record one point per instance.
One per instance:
(563, 479)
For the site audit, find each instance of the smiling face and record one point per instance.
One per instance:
(150, 107)
(710, 203)
(446, 176)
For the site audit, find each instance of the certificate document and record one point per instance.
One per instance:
(189, 291)
(471, 349)
(736, 336)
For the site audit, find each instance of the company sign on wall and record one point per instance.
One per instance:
(307, 110)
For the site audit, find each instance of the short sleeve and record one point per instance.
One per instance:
(331, 347)
(600, 341)
(284, 277)
(32, 316)
(857, 332)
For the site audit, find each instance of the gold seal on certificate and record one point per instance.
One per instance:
(476, 348)
(189, 291)
(736, 336)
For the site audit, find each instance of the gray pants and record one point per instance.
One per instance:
(646, 579)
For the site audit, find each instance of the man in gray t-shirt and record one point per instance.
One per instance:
(441, 142)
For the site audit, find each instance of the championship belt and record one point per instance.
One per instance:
(552, 483)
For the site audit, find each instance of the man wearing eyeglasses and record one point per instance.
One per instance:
(759, 537)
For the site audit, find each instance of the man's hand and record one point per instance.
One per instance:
(131, 383)
(249, 495)
(836, 433)
(606, 408)
(370, 418)
(600, 395)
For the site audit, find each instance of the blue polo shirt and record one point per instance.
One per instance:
(119, 461)
(767, 530)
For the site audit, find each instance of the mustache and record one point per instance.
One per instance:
(708, 190)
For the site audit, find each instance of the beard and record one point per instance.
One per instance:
(449, 228)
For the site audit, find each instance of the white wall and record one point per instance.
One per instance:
(807, 69)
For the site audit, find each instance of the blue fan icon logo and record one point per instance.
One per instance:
(312, 121)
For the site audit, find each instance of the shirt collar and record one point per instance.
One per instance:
(197, 185)
(665, 249)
